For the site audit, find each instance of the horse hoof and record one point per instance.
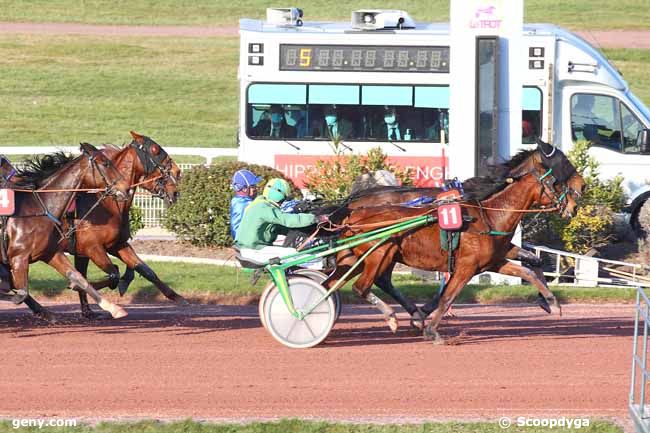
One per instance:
(543, 304)
(116, 311)
(20, 296)
(433, 336)
(417, 320)
(89, 314)
(417, 324)
(449, 314)
(47, 316)
(557, 305)
(393, 324)
(179, 300)
(121, 288)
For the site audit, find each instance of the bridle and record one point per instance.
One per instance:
(6, 178)
(155, 161)
(107, 164)
(548, 181)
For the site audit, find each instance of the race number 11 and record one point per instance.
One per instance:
(449, 217)
(7, 203)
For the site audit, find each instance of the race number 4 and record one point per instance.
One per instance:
(449, 217)
(7, 203)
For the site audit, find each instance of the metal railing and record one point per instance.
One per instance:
(639, 410)
(587, 270)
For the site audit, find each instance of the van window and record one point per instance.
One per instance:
(631, 127)
(531, 114)
(597, 119)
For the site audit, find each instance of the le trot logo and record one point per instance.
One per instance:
(485, 17)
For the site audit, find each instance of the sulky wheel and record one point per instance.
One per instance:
(265, 294)
(291, 331)
(320, 278)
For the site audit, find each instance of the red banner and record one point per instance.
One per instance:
(426, 171)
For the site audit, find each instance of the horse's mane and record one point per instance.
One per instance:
(37, 169)
(476, 188)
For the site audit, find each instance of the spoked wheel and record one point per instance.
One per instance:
(320, 278)
(289, 330)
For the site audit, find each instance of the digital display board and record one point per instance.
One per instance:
(389, 58)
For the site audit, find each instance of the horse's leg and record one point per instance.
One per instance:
(128, 256)
(40, 311)
(534, 277)
(385, 283)
(453, 287)
(535, 264)
(344, 261)
(65, 268)
(81, 264)
(377, 263)
(125, 280)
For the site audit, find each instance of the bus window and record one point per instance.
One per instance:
(531, 114)
(631, 128)
(596, 118)
(330, 109)
(270, 106)
(348, 112)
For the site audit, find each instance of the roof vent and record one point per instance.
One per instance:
(377, 19)
(284, 16)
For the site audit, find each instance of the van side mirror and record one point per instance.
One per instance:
(643, 141)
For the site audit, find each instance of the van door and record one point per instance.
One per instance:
(611, 127)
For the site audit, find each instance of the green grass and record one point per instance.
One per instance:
(227, 284)
(60, 90)
(595, 14)
(298, 426)
(63, 90)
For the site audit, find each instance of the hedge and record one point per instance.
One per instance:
(202, 213)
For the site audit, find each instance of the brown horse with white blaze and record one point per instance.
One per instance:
(485, 243)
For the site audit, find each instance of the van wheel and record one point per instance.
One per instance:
(641, 220)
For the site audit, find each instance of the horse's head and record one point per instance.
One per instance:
(561, 184)
(158, 167)
(102, 173)
(7, 170)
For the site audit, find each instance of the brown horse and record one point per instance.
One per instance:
(105, 229)
(530, 270)
(478, 251)
(31, 230)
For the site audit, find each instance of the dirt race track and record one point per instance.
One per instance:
(217, 362)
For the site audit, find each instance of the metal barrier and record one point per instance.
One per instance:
(639, 411)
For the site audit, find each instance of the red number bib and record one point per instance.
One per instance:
(7, 203)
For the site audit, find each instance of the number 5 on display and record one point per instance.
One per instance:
(305, 56)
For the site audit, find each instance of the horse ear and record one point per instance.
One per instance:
(546, 148)
(87, 148)
(137, 137)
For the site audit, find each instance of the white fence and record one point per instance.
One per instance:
(153, 209)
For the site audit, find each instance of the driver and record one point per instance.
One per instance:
(244, 183)
(264, 220)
